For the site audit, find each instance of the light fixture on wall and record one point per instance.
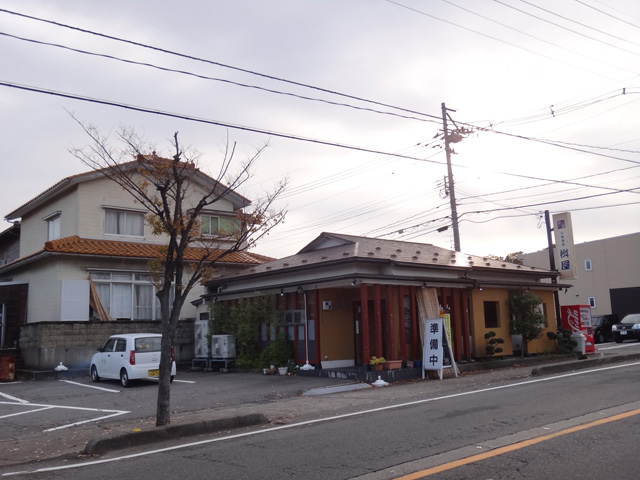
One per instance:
(300, 290)
(355, 281)
(282, 292)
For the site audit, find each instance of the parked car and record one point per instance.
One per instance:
(601, 325)
(130, 356)
(628, 328)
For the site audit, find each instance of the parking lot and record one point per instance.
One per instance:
(76, 409)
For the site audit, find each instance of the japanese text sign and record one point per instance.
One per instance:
(432, 351)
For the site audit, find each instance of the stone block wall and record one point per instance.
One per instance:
(44, 345)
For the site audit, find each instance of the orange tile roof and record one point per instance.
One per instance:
(113, 248)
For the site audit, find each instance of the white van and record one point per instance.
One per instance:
(130, 356)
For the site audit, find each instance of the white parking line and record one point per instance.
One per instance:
(91, 386)
(117, 412)
(15, 399)
(111, 413)
(23, 413)
(183, 381)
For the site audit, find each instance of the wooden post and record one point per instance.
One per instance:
(377, 316)
(401, 324)
(391, 331)
(416, 343)
(364, 318)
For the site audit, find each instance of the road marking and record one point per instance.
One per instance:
(514, 446)
(15, 399)
(617, 346)
(91, 386)
(309, 422)
(111, 413)
(183, 381)
(117, 413)
(24, 413)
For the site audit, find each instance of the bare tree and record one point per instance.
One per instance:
(172, 192)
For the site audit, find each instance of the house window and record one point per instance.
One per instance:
(129, 296)
(542, 308)
(53, 226)
(491, 315)
(592, 302)
(218, 226)
(587, 265)
(120, 222)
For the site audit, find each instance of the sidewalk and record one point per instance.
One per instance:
(322, 397)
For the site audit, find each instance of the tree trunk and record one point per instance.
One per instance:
(169, 324)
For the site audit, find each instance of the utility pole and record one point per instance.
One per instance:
(452, 191)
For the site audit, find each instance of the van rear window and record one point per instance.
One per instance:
(148, 344)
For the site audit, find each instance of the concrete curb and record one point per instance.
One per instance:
(582, 364)
(158, 434)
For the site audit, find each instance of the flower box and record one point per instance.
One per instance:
(393, 364)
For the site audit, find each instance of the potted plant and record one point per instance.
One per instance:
(377, 362)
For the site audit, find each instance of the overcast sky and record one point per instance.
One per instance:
(550, 88)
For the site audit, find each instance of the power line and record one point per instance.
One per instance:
(219, 64)
(565, 28)
(498, 39)
(206, 77)
(580, 23)
(607, 14)
(534, 37)
(208, 122)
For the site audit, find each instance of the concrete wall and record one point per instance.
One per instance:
(615, 264)
(44, 345)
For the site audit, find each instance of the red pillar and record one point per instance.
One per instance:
(401, 326)
(391, 331)
(416, 343)
(364, 318)
(377, 316)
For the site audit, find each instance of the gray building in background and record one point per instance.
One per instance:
(608, 275)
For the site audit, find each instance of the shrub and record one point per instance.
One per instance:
(493, 343)
(277, 353)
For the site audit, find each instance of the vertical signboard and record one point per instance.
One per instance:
(433, 352)
(565, 250)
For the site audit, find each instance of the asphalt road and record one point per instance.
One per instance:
(387, 433)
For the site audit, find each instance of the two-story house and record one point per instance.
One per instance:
(83, 271)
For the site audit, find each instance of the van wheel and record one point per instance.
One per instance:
(94, 374)
(171, 379)
(124, 378)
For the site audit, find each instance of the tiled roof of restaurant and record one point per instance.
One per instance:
(332, 247)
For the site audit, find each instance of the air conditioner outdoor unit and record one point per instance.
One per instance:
(223, 346)
(201, 343)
